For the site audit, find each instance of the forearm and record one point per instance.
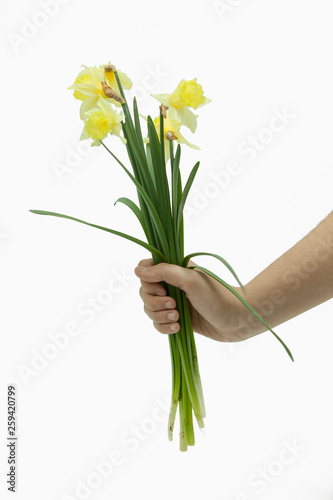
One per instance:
(299, 280)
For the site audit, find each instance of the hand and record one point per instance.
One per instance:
(300, 279)
(214, 309)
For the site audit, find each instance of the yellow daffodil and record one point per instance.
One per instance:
(93, 82)
(171, 132)
(161, 197)
(188, 94)
(101, 121)
(82, 78)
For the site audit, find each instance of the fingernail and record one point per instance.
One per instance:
(168, 305)
(171, 316)
(141, 269)
(173, 328)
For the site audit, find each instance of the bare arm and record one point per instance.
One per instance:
(300, 279)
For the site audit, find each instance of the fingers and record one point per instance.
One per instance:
(153, 288)
(164, 321)
(155, 303)
(146, 262)
(167, 328)
(174, 275)
(160, 309)
(164, 316)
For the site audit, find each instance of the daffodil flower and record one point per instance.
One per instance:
(91, 82)
(160, 211)
(171, 132)
(101, 121)
(188, 94)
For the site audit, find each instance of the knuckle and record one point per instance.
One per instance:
(159, 290)
(155, 304)
(190, 277)
(162, 266)
(146, 262)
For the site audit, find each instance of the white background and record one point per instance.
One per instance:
(251, 57)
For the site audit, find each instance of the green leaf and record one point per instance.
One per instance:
(188, 257)
(246, 304)
(135, 209)
(155, 149)
(141, 173)
(180, 231)
(177, 237)
(155, 152)
(185, 193)
(124, 105)
(161, 142)
(164, 178)
(151, 249)
(174, 180)
(153, 213)
(150, 163)
(137, 124)
(135, 145)
(176, 165)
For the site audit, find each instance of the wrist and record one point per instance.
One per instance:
(245, 324)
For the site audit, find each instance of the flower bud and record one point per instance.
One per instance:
(170, 136)
(109, 67)
(163, 110)
(109, 92)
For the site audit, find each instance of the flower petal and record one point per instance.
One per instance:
(188, 118)
(86, 105)
(125, 80)
(207, 101)
(162, 98)
(182, 140)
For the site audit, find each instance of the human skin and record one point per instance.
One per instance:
(297, 281)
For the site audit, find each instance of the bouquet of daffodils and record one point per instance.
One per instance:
(105, 111)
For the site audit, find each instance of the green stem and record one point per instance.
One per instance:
(176, 380)
(188, 421)
(155, 217)
(197, 378)
(182, 435)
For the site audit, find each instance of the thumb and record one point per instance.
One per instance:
(172, 274)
